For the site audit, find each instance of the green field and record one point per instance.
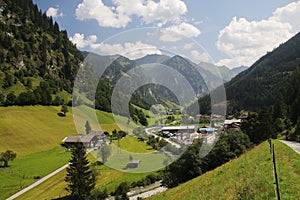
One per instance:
(248, 177)
(106, 177)
(22, 171)
(34, 132)
(55, 186)
(131, 144)
(31, 129)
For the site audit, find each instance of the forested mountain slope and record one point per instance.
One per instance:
(37, 60)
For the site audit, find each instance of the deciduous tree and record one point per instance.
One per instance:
(7, 156)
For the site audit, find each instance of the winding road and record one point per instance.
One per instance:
(294, 145)
(149, 131)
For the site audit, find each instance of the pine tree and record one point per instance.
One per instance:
(88, 127)
(80, 179)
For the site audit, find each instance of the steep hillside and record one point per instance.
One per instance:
(37, 60)
(248, 177)
(259, 85)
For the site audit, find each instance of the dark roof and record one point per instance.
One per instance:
(83, 138)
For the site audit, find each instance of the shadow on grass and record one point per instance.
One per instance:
(64, 198)
(61, 114)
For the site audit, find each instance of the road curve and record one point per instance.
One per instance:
(294, 145)
(149, 132)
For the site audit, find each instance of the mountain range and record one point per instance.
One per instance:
(39, 66)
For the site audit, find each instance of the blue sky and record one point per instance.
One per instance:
(233, 32)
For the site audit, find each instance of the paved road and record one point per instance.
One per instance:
(41, 180)
(37, 183)
(149, 193)
(149, 132)
(293, 145)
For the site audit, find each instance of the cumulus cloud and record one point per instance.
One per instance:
(197, 56)
(176, 32)
(289, 14)
(246, 41)
(54, 12)
(80, 40)
(132, 50)
(105, 16)
(122, 11)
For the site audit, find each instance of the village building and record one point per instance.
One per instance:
(178, 129)
(133, 164)
(232, 125)
(93, 139)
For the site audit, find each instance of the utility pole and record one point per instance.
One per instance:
(275, 174)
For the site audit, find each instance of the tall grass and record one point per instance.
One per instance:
(247, 177)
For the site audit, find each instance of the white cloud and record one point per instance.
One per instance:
(130, 50)
(176, 32)
(289, 14)
(81, 42)
(54, 12)
(246, 41)
(105, 16)
(198, 57)
(150, 11)
(122, 11)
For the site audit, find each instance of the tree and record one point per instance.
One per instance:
(105, 152)
(188, 166)
(1, 99)
(64, 109)
(88, 127)
(7, 156)
(121, 191)
(80, 179)
(10, 99)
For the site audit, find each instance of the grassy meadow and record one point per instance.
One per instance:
(248, 177)
(107, 178)
(23, 171)
(35, 134)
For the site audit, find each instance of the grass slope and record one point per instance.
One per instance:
(106, 177)
(32, 129)
(248, 177)
(22, 170)
(35, 134)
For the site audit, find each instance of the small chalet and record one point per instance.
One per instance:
(133, 164)
(92, 139)
(232, 125)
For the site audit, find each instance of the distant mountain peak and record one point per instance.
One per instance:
(152, 58)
